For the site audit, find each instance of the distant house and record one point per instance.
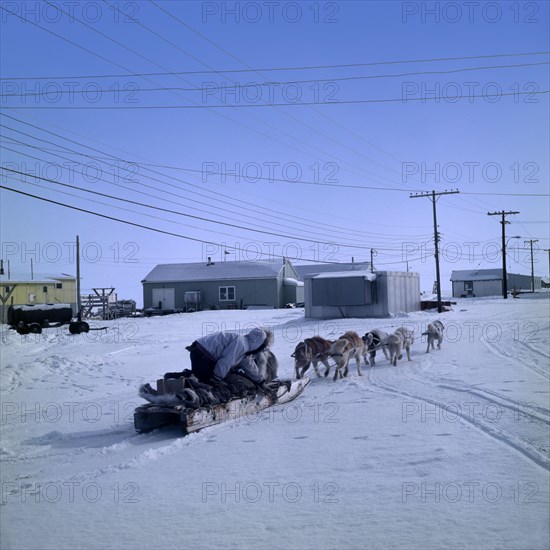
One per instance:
(360, 293)
(224, 285)
(46, 290)
(488, 282)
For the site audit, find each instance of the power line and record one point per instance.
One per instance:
(269, 69)
(216, 71)
(175, 212)
(244, 177)
(156, 34)
(283, 112)
(169, 233)
(141, 192)
(241, 176)
(257, 105)
(301, 219)
(223, 116)
(141, 226)
(238, 122)
(57, 92)
(148, 169)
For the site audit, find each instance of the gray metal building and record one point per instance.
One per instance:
(360, 293)
(488, 282)
(226, 285)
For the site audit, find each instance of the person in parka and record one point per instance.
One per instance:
(229, 356)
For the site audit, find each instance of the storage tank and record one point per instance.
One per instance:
(42, 314)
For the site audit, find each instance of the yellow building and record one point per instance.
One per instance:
(47, 290)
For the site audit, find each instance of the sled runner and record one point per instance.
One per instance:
(152, 416)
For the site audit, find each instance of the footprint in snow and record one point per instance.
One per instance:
(301, 437)
(361, 437)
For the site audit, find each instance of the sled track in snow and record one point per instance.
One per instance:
(129, 438)
(501, 401)
(11, 379)
(534, 456)
(538, 353)
(496, 351)
(514, 405)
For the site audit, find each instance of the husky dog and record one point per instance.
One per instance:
(267, 364)
(434, 332)
(373, 341)
(311, 351)
(347, 346)
(266, 361)
(401, 339)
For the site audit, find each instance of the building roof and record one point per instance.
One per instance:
(476, 275)
(215, 271)
(41, 279)
(482, 275)
(346, 275)
(308, 269)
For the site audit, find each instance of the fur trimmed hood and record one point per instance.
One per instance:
(256, 338)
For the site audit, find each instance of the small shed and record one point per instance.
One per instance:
(488, 282)
(360, 293)
(224, 285)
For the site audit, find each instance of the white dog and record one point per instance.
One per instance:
(434, 332)
(401, 339)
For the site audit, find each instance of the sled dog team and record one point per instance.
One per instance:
(350, 345)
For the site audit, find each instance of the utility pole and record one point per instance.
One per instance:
(545, 250)
(372, 253)
(531, 241)
(78, 303)
(503, 222)
(433, 196)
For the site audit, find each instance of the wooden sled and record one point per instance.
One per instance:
(152, 416)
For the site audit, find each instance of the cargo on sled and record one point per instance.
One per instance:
(171, 409)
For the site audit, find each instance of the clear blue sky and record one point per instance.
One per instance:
(483, 142)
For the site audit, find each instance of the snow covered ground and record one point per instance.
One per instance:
(449, 450)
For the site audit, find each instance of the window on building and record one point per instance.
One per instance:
(45, 289)
(31, 297)
(7, 289)
(58, 285)
(227, 293)
(468, 286)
